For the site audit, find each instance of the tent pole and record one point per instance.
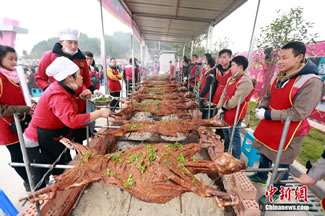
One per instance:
(252, 42)
(102, 48)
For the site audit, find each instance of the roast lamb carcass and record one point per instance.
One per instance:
(151, 173)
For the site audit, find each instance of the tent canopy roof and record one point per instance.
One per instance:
(178, 20)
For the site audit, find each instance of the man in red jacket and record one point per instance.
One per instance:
(67, 47)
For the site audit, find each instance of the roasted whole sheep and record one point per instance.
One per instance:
(154, 173)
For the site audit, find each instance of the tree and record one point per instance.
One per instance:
(283, 29)
(222, 43)
(89, 44)
(286, 28)
(43, 46)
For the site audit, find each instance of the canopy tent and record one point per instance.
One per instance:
(178, 20)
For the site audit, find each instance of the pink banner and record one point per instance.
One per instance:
(116, 9)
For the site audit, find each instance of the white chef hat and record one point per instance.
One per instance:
(69, 34)
(60, 68)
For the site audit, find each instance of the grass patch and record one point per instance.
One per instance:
(312, 148)
(313, 145)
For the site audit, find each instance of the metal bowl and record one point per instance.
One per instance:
(97, 100)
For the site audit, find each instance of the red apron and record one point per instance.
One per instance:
(230, 114)
(268, 132)
(222, 81)
(10, 94)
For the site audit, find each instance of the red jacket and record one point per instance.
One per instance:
(172, 70)
(57, 108)
(42, 80)
(128, 72)
(114, 77)
(10, 94)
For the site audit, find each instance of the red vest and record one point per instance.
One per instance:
(128, 72)
(114, 85)
(230, 114)
(171, 69)
(268, 132)
(10, 94)
(192, 73)
(222, 81)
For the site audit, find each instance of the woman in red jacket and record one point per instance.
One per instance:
(11, 101)
(114, 76)
(58, 111)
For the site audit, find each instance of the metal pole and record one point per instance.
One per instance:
(133, 72)
(251, 45)
(183, 50)
(122, 87)
(263, 170)
(192, 48)
(58, 166)
(210, 38)
(102, 49)
(207, 41)
(280, 150)
(25, 158)
(141, 58)
(87, 111)
(235, 124)
(278, 156)
(210, 96)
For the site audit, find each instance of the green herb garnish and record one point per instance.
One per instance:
(129, 182)
(109, 173)
(180, 158)
(143, 168)
(177, 145)
(102, 99)
(135, 158)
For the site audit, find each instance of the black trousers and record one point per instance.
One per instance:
(115, 103)
(34, 156)
(17, 156)
(51, 149)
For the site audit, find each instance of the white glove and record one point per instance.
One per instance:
(97, 93)
(260, 113)
(220, 111)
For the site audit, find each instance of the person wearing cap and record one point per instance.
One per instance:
(58, 111)
(67, 47)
